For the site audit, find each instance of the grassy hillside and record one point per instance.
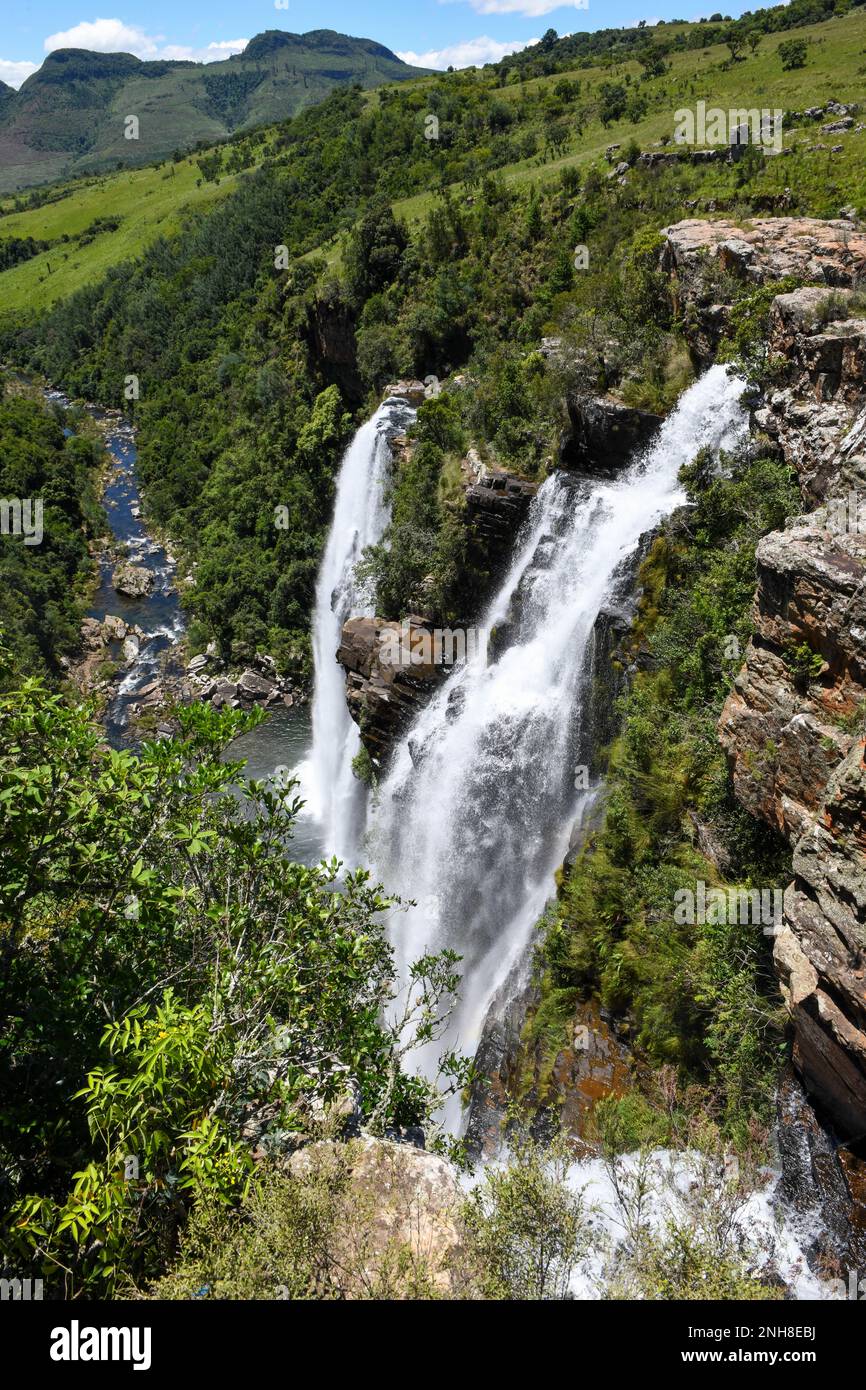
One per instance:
(70, 116)
(153, 201)
(145, 203)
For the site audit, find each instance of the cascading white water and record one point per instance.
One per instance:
(333, 794)
(474, 814)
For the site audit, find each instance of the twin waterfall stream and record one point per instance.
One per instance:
(475, 808)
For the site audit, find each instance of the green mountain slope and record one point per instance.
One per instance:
(527, 131)
(71, 115)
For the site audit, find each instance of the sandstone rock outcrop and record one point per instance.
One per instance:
(592, 1064)
(785, 724)
(391, 670)
(132, 580)
(101, 642)
(820, 951)
(815, 414)
(793, 725)
(402, 1223)
(824, 253)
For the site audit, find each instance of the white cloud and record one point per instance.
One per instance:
(213, 53)
(113, 36)
(470, 53)
(13, 74)
(532, 9)
(106, 36)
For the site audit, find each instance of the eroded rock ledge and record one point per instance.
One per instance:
(388, 678)
(603, 433)
(825, 253)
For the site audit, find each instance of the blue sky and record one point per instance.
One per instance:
(432, 32)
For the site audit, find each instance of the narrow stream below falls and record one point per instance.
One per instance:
(284, 737)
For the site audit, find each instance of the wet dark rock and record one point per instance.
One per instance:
(603, 434)
(822, 1178)
(496, 507)
(330, 336)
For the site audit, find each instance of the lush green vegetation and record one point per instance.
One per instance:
(70, 116)
(43, 586)
(523, 1233)
(171, 982)
(173, 987)
(146, 203)
(240, 360)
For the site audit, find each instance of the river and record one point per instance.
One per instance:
(283, 739)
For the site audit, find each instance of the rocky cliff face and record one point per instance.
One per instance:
(817, 347)
(330, 338)
(603, 434)
(698, 253)
(496, 507)
(793, 725)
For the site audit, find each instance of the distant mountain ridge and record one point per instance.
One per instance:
(70, 115)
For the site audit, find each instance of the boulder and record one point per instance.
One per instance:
(225, 693)
(603, 434)
(113, 629)
(93, 636)
(402, 1221)
(391, 671)
(413, 392)
(132, 580)
(253, 686)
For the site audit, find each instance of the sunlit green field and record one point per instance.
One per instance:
(150, 201)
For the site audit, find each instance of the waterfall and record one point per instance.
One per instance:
(334, 795)
(474, 814)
